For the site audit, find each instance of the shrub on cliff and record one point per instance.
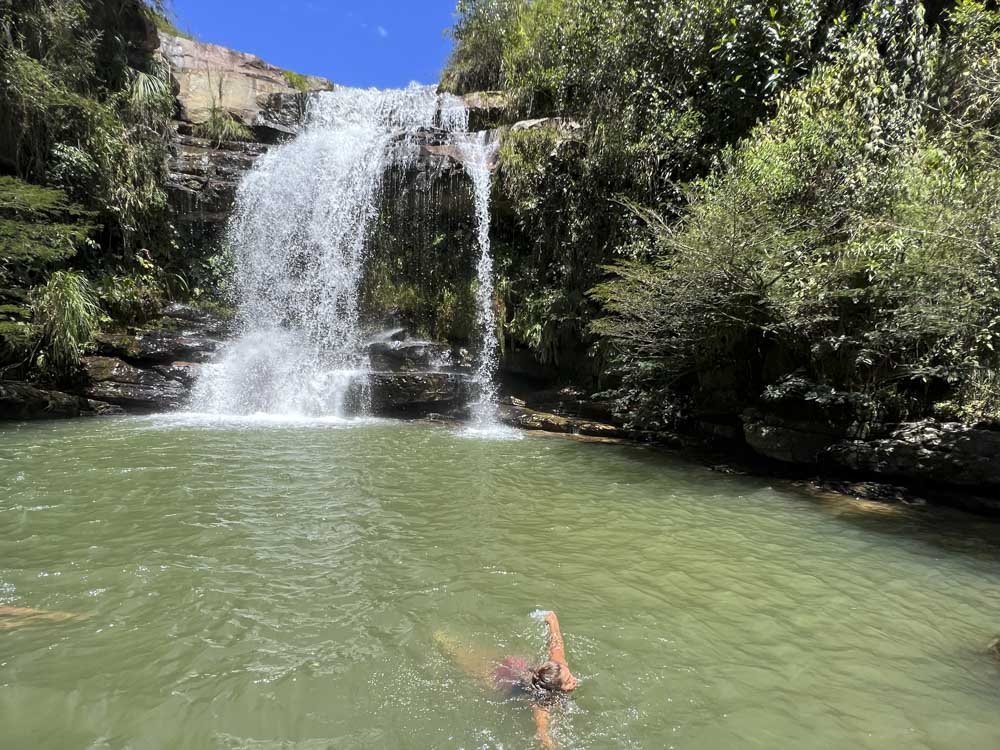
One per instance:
(84, 124)
(481, 35)
(86, 107)
(658, 88)
(850, 238)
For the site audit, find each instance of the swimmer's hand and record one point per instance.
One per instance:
(542, 614)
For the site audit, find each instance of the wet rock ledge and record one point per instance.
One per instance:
(415, 378)
(807, 425)
(143, 370)
(23, 402)
(152, 368)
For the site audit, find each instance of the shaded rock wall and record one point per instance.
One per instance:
(201, 188)
(418, 394)
(422, 249)
(804, 424)
(928, 451)
(23, 402)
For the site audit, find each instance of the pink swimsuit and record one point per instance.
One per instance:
(510, 674)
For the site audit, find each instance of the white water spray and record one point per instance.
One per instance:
(478, 152)
(299, 235)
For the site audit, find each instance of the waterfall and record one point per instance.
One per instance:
(478, 152)
(298, 235)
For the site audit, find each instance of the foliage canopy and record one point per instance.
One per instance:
(753, 191)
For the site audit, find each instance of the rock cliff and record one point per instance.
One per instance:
(209, 77)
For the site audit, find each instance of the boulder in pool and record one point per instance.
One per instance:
(409, 356)
(416, 394)
(116, 382)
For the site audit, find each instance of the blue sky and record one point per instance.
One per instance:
(383, 43)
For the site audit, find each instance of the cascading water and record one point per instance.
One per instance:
(478, 152)
(298, 235)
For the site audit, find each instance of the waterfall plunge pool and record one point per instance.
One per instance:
(252, 585)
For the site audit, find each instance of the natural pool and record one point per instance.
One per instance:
(278, 585)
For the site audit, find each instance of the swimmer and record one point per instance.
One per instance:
(542, 684)
(16, 617)
(994, 647)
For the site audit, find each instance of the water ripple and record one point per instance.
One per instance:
(261, 585)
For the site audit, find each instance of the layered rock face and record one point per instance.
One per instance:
(415, 378)
(23, 402)
(946, 452)
(802, 423)
(147, 369)
(210, 77)
(204, 175)
(152, 368)
(419, 394)
(202, 185)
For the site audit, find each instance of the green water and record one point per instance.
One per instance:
(279, 585)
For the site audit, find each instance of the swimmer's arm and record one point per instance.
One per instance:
(557, 648)
(541, 715)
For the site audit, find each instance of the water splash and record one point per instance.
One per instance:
(478, 152)
(299, 234)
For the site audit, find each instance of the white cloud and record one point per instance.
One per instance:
(382, 32)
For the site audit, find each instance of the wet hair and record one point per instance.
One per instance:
(547, 679)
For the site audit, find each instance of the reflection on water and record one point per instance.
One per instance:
(254, 585)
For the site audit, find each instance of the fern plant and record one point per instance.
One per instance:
(67, 314)
(149, 96)
(222, 127)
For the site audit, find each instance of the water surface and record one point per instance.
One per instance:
(278, 585)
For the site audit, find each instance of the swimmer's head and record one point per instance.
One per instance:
(552, 677)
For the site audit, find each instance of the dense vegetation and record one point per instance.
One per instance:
(84, 113)
(747, 193)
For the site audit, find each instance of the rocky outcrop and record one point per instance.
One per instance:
(410, 356)
(416, 394)
(182, 333)
(280, 117)
(564, 126)
(489, 110)
(201, 186)
(204, 175)
(185, 373)
(153, 368)
(209, 77)
(796, 420)
(415, 378)
(797, 442)
(137, 390)
(23, 402)
(927, 451)
(529, 419)
(569, 402)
